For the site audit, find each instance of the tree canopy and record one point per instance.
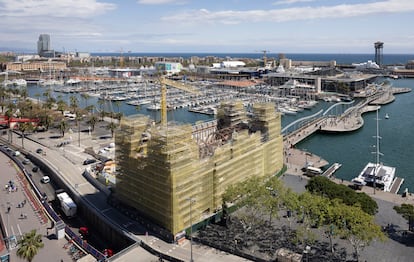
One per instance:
(29, 245)
(323, 186)
(324, 206)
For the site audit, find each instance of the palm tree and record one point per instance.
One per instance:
(85, 96)
(118, 105)
(24, 93)
(29, 245)
(112, 126)
(101, 103)
(23, 127)
(92, 121)
(74, 103)
(37, 95)
(62, 126)
(61, 105)
(90, 108)
(48, 121)
(2, 97)
(9, 114)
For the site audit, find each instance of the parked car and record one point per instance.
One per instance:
(89, 161)
(39, 150)
(45, 180)
(35, 169)
(26, 161)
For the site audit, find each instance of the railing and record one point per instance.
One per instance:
(305, 119)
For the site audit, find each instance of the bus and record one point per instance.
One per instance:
(313, 171)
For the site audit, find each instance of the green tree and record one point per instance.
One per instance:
(92, 121)
(46, 121)
(85, 97)
(29, 245)
(74, 103)
(358, 227)
(61, 105)
(63, 126)
(323, 186)
(112, 126)
(406, 211)
(273, 197)
(24, 127)
(37, 95)
(101, 103)
(89, 108)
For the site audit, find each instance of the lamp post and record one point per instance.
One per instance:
(191, 229)
(306, 252)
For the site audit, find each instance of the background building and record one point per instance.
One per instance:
(168, 67)
(43, 46)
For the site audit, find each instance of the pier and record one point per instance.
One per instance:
(396, 185)
(350, 120)
(331, 170)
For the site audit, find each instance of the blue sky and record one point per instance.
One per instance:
(225, 26)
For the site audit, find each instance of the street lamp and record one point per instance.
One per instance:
(191, 229)
(306, 252)
(306, 157)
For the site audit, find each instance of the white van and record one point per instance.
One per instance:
(16, 153)
(45, 180)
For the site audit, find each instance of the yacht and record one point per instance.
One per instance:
(376, 174)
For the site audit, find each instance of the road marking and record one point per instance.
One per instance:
(20, 231)
(109, 208)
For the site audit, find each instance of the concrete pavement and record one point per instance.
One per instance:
(15, 226)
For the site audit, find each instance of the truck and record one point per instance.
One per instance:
(67, 205)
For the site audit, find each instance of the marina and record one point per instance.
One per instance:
(144, 99)
(147, 93)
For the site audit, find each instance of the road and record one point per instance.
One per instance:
(67, 161)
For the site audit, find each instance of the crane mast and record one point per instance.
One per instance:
(179, 85)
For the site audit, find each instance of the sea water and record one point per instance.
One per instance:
(354, 149)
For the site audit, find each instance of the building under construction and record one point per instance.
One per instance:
(165, 168)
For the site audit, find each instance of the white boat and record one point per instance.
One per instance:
(139, 102)
(386, 116)
(19, 82)
(376, 174)
(154, 107)
(51, 82)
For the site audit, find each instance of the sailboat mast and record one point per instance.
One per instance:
(378, 138)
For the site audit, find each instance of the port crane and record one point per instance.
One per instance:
(179, 85)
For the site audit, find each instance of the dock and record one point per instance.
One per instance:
(396, 185)
(331, 170)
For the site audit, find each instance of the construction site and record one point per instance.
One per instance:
(175, 175)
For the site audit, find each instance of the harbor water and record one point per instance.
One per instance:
(353, 150)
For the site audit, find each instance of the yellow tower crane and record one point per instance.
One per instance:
(179, 85)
